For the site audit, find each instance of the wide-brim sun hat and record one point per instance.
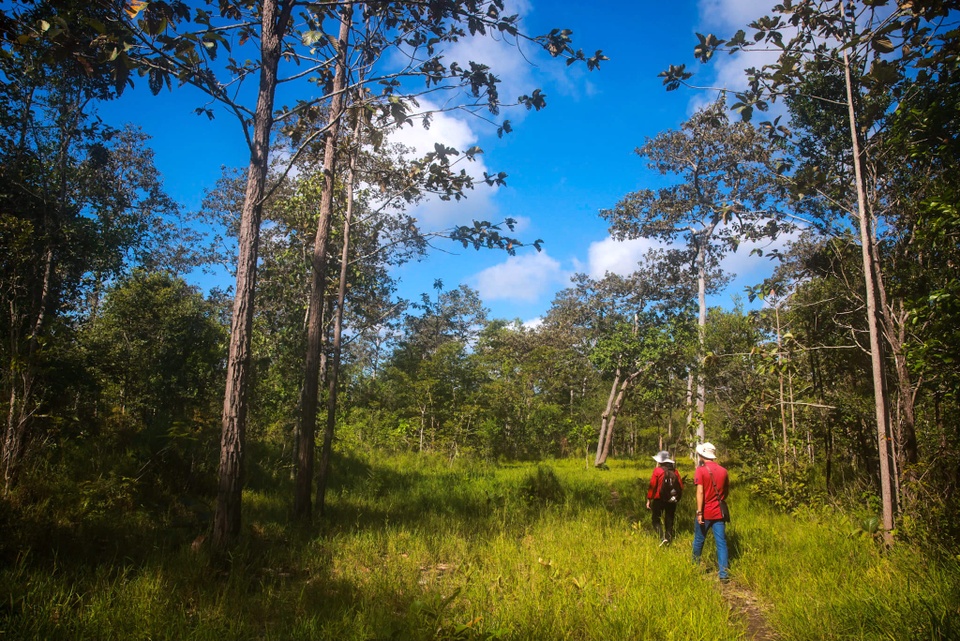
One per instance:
(663, 456)
(707, 450)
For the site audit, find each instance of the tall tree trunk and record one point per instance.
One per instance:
(334, 372)
(308, 417)
(226, 521)
(876, 349)
(783, 406)
(702, 336)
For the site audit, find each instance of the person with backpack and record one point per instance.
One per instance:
(712, 512)
(663, 495)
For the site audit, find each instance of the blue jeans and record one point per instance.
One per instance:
(719, 537)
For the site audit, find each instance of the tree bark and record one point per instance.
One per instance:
(605, 419)
(895, 331)
(334, 373)
(311, 384)
(876, 349)
(615, 412)
(226, 522)
(702, 335)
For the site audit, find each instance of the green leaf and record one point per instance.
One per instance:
(310, 38)
(882, 45)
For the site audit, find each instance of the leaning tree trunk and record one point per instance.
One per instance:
(876, 349)
(605, 420)
(615, 412)
(311, 372)
(226, 520)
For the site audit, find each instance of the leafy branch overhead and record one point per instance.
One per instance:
(898, 44)
(486, 235)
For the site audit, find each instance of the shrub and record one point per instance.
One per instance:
(541, 487)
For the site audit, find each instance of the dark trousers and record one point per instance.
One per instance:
(668, 511)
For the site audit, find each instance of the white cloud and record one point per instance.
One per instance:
(524, 278)
(732, 14)
(515, 65)
(507, 60)
(746, 265)
(533, 323)
(623, 257)
(618, 257)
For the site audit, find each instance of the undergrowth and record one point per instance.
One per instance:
(419, 548)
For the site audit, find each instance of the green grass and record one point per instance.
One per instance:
(418, 548)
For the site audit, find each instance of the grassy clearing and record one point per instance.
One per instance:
(417, 548)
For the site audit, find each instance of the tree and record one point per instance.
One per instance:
(155, 351)
(728, 195)
(154, 46)
(879, 53)
(82, 204)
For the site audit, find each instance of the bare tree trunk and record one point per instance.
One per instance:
(605, 420)
(308, 417)
(226, 521)
(702, 335)
(783, 408)
(334, 371)
(670, 408)
(14, 437)
(615, 412)
(876, 349)
(895, 330)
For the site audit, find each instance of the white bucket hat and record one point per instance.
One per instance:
(663, 456)
(707, 450)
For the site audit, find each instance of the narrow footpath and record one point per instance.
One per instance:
(748, 607)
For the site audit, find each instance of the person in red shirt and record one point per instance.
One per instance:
(712, 486)
(663, 500)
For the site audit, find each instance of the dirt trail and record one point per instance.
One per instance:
(747, 606)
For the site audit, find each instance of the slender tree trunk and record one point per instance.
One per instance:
(894, 330)
(783, 408)
(334, 372)
(423, 425)
(308, 417)
(876, 349)
(226, 522)
(23, 373)
(702, 336)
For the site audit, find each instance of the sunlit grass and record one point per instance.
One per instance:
(421, 548)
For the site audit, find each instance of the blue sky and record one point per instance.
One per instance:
(564, 163)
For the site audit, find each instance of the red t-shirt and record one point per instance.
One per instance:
(656, 483)
(711, 502)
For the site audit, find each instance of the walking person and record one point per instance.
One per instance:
(663, 495)
(712, 513)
